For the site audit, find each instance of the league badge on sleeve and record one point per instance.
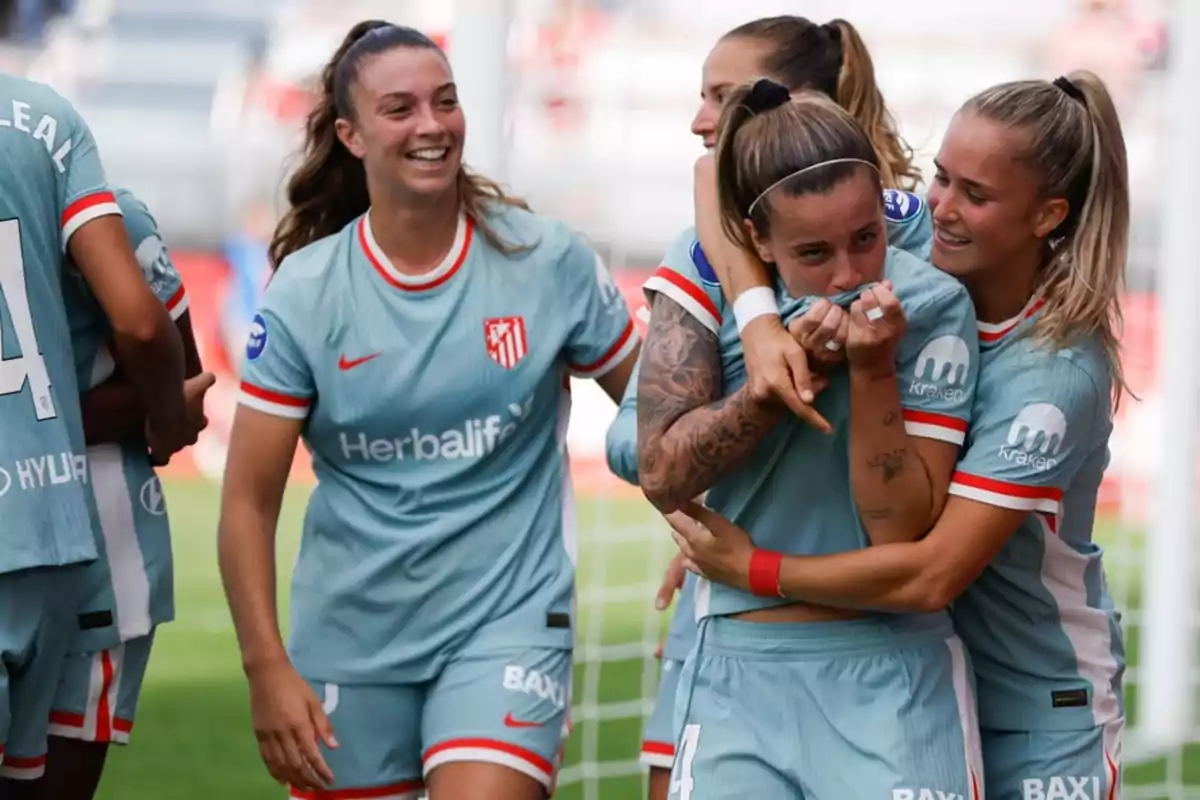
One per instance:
(256, 343)
(703, 268)
(899, 206)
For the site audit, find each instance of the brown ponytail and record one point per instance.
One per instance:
(329, 188)
(833, 60)
(858, 93)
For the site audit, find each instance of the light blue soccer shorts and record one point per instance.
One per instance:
(37, 621)
(98, 693)
(658, 739)
(1054, 765)
(879, 707)
(504, 706)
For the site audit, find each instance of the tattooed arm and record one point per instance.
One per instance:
(899, 481)
(899, 475)
(688, 434)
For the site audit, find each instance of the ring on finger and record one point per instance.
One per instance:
(874, 314)
(833, 346)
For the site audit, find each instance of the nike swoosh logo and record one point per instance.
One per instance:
(347, 364)
(511, 722)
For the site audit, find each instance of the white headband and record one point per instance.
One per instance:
(787, 178)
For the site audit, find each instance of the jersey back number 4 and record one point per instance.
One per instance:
(30, 366)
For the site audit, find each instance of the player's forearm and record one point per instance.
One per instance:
(900, 577)
(890, 484)
(152, 356)
(691, 455)
(736, 269)
(112, 412)
(246, 553)
(192, 366)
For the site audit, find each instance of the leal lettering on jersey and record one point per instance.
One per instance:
(538, 684)
(1065, 788)
(924, 794)
(474, 438)
(1035, 437)
(45, 131)
(942, 370)
(40, 472)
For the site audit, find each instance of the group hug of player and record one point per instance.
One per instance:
(876, 423)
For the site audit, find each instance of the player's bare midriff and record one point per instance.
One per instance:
(797, 612)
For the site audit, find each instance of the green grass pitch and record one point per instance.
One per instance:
(193, 740)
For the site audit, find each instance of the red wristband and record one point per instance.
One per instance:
(764, 573)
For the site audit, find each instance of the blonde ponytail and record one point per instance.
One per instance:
(858, 93)
(1078, 149)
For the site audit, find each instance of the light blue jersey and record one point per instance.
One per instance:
(436, 411)
(1042, 631)
(936, 361)
(133, 579)
(907, 219)
(51, 184)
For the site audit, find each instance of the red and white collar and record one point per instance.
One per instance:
(427, 280)
(992, 332)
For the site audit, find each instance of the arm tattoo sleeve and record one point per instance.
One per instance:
(688, 434)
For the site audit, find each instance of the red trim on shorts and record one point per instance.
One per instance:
(404, 787)
(491, 744)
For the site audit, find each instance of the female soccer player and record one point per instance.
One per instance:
(132, 581)
(418, 334)
(54, 199)
(799, 54)
(766, 674)
(1031, 211)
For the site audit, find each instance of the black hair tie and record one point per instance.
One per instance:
(1070, 89)
(766, 96)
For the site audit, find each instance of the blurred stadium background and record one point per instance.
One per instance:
(196, 105)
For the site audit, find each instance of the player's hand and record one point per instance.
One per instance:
(777, 367)
(672, 583)
(288, 723)
(187, 430)
(822, 332)
(712, 546)
(877, 324)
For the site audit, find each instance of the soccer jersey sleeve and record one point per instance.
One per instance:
(152, 254)
(276, 376)
(938, 363)
(1029, 441)
(602, 333)
(620, 445)
(688, 278)
(83, 192)
(909, 222)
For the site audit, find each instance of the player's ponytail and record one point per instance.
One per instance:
(329, 187)
(858, 93)
(766, 140)
(833, 59)
(1078, 150)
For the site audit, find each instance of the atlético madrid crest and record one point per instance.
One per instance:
(505, 338)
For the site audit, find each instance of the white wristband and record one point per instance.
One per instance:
(752, 304)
